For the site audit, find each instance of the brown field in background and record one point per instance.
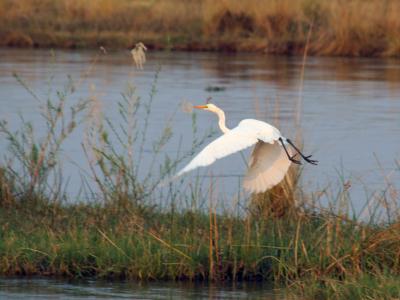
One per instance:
(338, 27)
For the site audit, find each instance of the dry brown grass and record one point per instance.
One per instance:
(351, 28)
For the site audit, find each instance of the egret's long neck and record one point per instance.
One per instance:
(221, 121)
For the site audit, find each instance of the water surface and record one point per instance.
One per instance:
(350, 107)
(40, 288)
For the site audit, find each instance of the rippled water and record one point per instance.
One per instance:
(350, 107)
(61, 289)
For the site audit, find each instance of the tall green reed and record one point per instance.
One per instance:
(32, 161)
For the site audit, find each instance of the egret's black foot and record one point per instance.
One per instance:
(310, 161)
(306, 158)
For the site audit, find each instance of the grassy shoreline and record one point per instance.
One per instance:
(316, 254)
(336, 28)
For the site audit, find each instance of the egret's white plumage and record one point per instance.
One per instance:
(267, 167)
(269, 161)
(233, 141)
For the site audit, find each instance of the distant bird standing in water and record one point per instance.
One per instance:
(139, 55)
(269, 161)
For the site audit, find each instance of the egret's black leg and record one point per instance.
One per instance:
(291, 158)
(306, 158)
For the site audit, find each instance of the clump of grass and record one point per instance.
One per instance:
(353, 28)
(125, 234)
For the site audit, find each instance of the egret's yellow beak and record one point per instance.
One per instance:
(200, 106)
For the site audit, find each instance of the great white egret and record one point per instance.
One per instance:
(269, 161)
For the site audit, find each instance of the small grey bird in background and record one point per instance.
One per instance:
(138, 55)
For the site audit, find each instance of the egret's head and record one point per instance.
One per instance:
(209, 106)
(216, 110)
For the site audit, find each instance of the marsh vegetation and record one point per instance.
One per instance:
(345, 28)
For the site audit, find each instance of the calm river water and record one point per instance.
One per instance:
(350, 107)
(60, 289)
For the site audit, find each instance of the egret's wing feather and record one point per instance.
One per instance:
(235, 140)
(267, 167)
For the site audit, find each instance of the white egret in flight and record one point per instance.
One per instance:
(269, 161)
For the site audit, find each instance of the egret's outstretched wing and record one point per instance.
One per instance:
(239, 138)
(246, 134)
(267, 167)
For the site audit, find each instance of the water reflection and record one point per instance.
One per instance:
(282, 72)
(41, 288)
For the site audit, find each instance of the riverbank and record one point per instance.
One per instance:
(316, 254)
(337, 28)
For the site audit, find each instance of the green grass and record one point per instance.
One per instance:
(317, 255)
